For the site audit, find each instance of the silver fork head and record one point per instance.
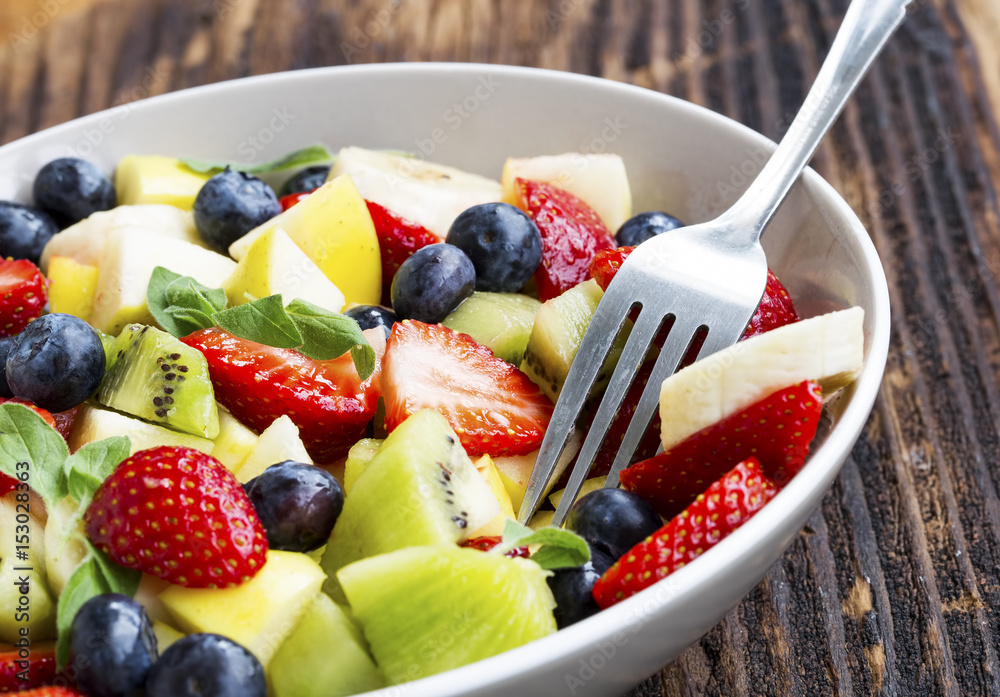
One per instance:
(702, 279)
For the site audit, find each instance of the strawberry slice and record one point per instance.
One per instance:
(41, 668)
(572, 233)
(711, 517)
(775, 310)
(398, 239)
(179, 514)
(22, 295)
(776, 430)
(493, 407)
(488, 542)
(293, 199)
(327, 400)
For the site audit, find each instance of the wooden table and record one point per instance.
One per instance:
(893, 586)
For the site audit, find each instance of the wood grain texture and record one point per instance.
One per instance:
(893, 586)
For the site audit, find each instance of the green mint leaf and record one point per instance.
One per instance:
(118, 579)
(327, 335)
(89, 466)
(263, 321)
(559, 548)
(311, 155)
(25, 437)
(187, 292)
(156, 297)
(180, 304)
(84, 583)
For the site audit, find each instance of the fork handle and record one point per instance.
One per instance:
(866, 28)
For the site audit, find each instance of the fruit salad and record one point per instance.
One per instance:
(265, 430)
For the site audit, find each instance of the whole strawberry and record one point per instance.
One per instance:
(22, 295)
(179, 514)
(725, 506)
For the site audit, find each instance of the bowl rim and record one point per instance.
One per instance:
(743, 544)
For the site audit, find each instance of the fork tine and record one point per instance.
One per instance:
(605, 325)
(636, 347)
(665, 366)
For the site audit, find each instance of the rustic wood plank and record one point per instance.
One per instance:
(893, 586)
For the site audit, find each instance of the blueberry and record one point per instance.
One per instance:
(24, 231)
(71, 189)
(112, 646)
(503, 243)
(309, 179)
(644, 226)
(573, 589)
(371, 316)
(56, 362)
(206, 665)
(432, 283)
(6, 344)
(613, 520)
(297, 504)
(230, 205)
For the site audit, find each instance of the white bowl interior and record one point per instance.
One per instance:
(680, 158)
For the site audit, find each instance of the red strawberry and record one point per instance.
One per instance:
(52, 692)
(41, 668)
(776, 431)
(493, 407)
(292, 199)
(22, 295)
(723, 507)
(572, 233)
(398, 239)
(326, 399)
(179, 514)
(775, 309)
(488, 542)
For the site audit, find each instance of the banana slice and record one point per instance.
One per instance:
(828, 349)
(427, 193)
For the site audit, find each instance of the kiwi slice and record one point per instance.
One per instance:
(157, 378)
(419, 489)
(324, 656)
(358, 459)
(556, 337)
(500, 321)
(425, 610)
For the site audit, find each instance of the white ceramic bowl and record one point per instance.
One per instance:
(680, 158)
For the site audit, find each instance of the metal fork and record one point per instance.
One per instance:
(707, 277)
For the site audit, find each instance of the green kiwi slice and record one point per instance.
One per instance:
(500, 321)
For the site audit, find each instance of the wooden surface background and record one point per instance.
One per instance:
(894, 585)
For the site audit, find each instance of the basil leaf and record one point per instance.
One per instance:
(26, 437)
(186, 320)
(119, 579)
(187, 292)
(84, 583)
(311, 155)
(559, 548)
(263, 321)
(327, 335)
(89, 466)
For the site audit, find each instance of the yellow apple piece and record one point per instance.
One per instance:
(334, 229)
(85, 241)
(279, 442)
(235, 441)
(492, 476)
(95, 423)
(165, 635)
(156, 179)
(127, 262)
(258, 614)
(358, 457)
(274, 264)
(72, 287)
(599, 179)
